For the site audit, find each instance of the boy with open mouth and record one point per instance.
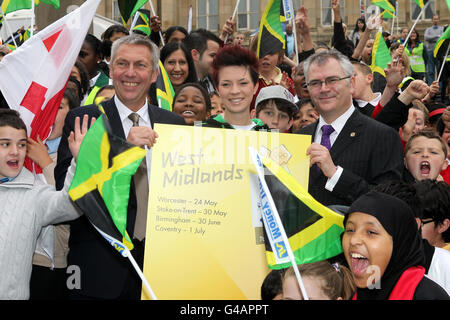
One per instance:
(425, 155)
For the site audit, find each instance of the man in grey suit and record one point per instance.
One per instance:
(350, 152)
(104, 273)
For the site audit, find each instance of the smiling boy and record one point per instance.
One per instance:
(27, 205)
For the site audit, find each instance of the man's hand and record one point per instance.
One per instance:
(320, 155)
(417, 89)
(77, 136)
(142, 136)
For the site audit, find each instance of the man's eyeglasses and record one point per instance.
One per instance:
(331, 81)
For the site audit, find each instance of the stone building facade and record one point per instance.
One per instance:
(212, 14)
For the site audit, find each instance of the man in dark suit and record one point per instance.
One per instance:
(349, 151)
(105, 274)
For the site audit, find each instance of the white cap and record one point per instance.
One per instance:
(273, 92)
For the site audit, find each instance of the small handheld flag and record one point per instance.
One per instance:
(380, 55)
(271, 37)
(313, 229)
(101, 185)
(164, 89)
(128, 8)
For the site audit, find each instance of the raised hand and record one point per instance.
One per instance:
(301, 20)
(77, 136)
(155, 24)
(394, 73)
(37, 151)
(417, 89)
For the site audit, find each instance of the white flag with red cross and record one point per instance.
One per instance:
(33, 78)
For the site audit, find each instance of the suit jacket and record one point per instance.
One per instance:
(368, 151)
(104, 272)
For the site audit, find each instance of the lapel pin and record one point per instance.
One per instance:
(352, 134)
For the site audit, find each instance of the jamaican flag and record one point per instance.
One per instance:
(442, 44)
(313, 230)
(421, 3)
(128, 8)
(164, 89)
(380, 55)
(271, 37)
(14, 5)
(387, 5)
(143, 22)
(19, 37)
(101, 185)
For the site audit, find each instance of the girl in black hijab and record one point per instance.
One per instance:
(384, 251)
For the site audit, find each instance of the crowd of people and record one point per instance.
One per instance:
(380, 150)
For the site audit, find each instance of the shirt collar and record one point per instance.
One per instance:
(94, 80)
(276, 79)
(340, 122)
(374, 102)
(124, 111)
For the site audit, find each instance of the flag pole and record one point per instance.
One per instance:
(7, 27)
(153, 13)
(443, 62)
(135, 19)
(32, 18)
(189, 26)
(415, 22)
(294, 30)
(260, 171)
(139, 272)
(232, 18)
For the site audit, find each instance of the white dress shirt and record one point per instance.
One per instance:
(124, 112)
(337, 125)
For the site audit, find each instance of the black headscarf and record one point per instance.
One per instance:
(397, 219)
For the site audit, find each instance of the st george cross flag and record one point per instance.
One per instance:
(33, 78)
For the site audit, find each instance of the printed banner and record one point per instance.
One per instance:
(204, 228)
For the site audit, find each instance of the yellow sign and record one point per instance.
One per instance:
(204, 230)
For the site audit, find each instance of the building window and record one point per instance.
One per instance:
(248, 15)
(326, 12)
(429, 11)
(208, 14)
(116, 12)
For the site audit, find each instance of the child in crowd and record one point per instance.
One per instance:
(235, 74)
(216, 104)
(435, 196)
(192, 102)
(105, 93)
(275, 107)
(305, 115)
(27, 204)
(272, 286)
(270, 74)
(48, 277)
(443, 129)
(425, 156)
(384, 250)
(322, 281)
